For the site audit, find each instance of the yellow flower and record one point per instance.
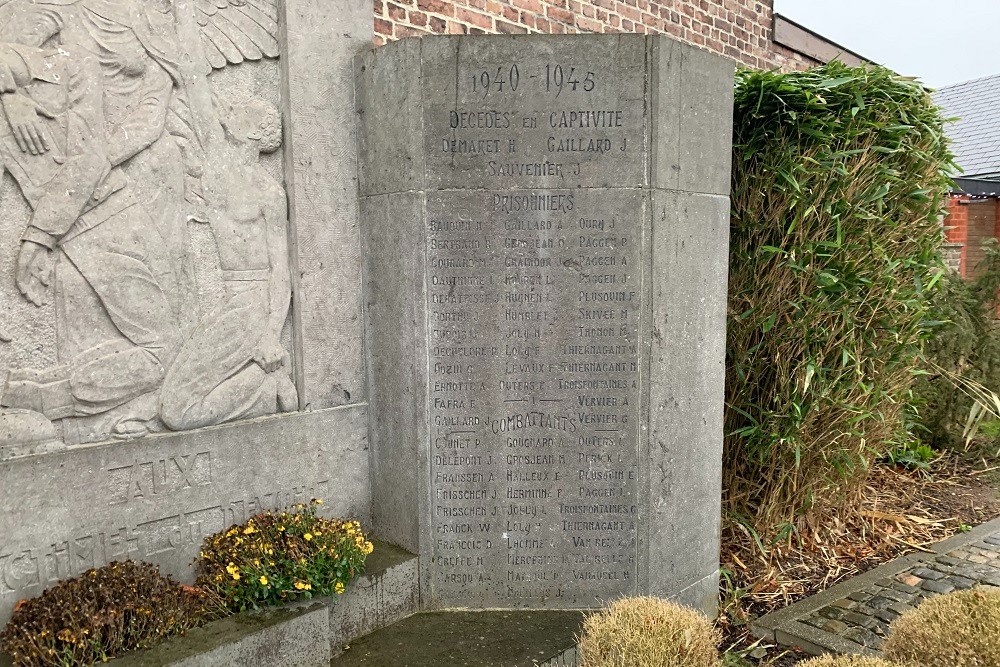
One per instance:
(303, 586)
(263, 580)
(339, 587)
(236, 576)
(318, 501)
(249, 530)
(369, 547)
(307, 536)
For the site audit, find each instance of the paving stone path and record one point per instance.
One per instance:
(854, 616)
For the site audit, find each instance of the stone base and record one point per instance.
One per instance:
(300, 635)
(481, 638)
(156, 498)
(294, 637)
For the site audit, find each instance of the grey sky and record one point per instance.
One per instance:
(940, 42)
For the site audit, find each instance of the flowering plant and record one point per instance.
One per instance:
(277, 557)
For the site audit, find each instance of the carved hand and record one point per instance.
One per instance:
(34, 272)
(270, 355)
(22, 113)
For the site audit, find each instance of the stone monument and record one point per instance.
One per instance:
(207, 309)
(545, 226)
(178, 194)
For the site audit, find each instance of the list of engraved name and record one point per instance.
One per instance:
(534, 295)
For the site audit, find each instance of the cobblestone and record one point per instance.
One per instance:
(938, 586)
(863, 615)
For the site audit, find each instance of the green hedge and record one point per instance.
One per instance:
(839, 181)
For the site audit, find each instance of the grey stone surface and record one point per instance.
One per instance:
(686, 389)
(493, 638)
(322, 38)
(692, 119)
(149, 226)
(290, 637)
(389, 591)
(155, 498)
(397, 371)
(861, 628)
(544, 326)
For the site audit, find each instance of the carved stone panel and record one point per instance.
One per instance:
(144, 229)
(545, 231)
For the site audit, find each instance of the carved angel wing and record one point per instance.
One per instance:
(233, 31)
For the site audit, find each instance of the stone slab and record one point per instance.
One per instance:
(389, 591)
(155, 498)
(394, 294)
(481, 638)
(321, 40)
(289, 637)
(688, 312)
(545, 321)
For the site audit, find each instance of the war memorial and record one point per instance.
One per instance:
(469, 291)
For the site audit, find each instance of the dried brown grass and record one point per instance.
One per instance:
(956, 630)
(847, 661)
(648, 632)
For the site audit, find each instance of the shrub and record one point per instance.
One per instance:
(277, 557)
(966, 342)
(648, 632)
(954, 630)
(847, 661)
(838, 184)
(104, 613)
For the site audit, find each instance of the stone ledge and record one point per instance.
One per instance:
(513, 638)
(304, 634)
(295, 636)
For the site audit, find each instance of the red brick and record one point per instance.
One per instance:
(443, 7)
(558, 14)
(529, 5)
(474, 19)
(508, 28)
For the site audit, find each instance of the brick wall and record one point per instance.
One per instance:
(739, 29)
(970, 223)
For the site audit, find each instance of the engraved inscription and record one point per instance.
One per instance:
(535, 298)
(27, 570)
(149, 479)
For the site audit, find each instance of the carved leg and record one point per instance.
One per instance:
(119, 331)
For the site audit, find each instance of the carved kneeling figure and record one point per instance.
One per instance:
(233, 366)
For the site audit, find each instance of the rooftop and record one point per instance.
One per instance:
(976, 135)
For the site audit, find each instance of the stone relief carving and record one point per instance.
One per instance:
(118, 142)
